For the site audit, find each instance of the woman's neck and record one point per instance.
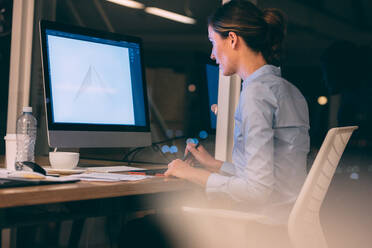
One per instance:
(250, 62)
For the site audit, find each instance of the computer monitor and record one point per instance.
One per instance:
(95, 88)
(212, 76)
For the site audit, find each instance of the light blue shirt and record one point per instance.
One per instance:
(271, 143)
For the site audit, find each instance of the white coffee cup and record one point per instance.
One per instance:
(63, 160)
(10, 151)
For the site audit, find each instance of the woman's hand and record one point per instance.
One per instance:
(214, 109)
(203, 157)
(177, 168)
(181, 169)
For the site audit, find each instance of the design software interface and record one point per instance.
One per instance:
(94, 80)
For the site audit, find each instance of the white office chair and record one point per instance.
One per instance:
(304, 229)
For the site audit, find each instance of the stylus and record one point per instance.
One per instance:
(187, 156)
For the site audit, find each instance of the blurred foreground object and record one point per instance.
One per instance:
(303, 227)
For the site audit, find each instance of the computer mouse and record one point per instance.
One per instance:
(26, 175)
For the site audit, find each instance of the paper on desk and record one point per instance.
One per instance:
(117, 168)
(5, 175)
(107, 177)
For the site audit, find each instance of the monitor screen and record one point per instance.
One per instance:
(212, 76)
(95, 90)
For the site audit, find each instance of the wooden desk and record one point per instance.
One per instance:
(82, 199)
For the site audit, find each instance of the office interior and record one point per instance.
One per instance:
(336, 33)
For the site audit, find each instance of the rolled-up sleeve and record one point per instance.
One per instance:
(228, 168)
(251, 176)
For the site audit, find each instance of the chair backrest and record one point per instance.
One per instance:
(304, 227)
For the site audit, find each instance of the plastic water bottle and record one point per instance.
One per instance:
(26, 137)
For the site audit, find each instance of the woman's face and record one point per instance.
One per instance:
(221, 52)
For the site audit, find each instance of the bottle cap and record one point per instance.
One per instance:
(27, 109)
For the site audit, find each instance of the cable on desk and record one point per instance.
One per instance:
(134, 154)
(126, 155)
(159, 150)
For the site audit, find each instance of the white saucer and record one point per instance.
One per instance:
(64, 171)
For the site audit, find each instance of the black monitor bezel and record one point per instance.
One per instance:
(43, 25)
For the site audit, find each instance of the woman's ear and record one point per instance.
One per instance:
(233, 39)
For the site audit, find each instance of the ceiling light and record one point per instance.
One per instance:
(128, 3)
(170, 15)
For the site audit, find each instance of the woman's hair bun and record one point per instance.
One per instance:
(276, 31)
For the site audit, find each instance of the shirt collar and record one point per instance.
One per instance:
(265, 69)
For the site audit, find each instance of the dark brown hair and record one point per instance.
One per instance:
(263, 31)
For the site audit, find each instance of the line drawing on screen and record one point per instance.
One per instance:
(91, 82)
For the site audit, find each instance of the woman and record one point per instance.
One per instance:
(271, 139)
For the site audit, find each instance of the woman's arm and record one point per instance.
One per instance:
(253, 149)
(204, 158)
